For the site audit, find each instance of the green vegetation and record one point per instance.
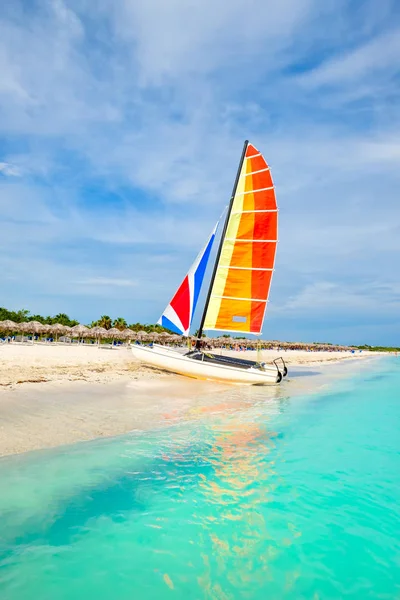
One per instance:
(196, 334)
(21, 316)
(104, 321)
(378, 348)
(120, 324)
(237, 337)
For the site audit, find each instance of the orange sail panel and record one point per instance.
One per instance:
(243, 277)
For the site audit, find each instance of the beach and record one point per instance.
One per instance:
(47, 362)
(53, 395)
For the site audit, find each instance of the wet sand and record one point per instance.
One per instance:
(53, 395)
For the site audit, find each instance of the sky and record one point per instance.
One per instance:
(121, 128)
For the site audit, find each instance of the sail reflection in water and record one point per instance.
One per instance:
(237, 492)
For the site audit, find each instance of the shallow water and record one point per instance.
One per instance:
(259, 496)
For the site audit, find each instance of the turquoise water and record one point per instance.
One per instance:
(285, 498)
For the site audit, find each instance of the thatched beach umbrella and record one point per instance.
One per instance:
(114, 334)
(164, 336)
(128, 334)
(46, 329)
(153, 335)
(59, 329)
(79, 331)
(34, 327)
(67, 331)
(25, 328)
(252, 343)
(98, 332)
(9, 326)
(143, 335)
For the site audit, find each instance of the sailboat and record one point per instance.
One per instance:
(239, 287)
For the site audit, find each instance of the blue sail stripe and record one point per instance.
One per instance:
(199, 274)
(194, 281)
(170, 325)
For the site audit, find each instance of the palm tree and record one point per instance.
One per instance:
(37, 318)
(64, 319)
(196, 333)
(105, 322)
(120, 324)
(22, 315)
(11, 315)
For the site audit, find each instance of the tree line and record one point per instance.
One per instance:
(379, 348)
(24, 315)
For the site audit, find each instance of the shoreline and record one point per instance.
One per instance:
(41, 363)
(50, 399)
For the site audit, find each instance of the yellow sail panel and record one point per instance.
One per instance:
(243, 276)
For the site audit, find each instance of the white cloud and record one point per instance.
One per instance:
(149, 103)
(107, 281)
(378, 55)
(179, 39)
(330, 298)
(9, 170)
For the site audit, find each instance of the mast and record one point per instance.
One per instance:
(228, 214)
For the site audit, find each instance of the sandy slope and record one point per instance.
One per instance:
(37, 363)
(55, 395)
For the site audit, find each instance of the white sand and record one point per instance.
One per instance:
(35, 363)
(52, 395)
(40, 362)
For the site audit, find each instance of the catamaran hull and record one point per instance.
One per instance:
(170, 360)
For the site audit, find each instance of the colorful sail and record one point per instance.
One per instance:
(179, 313)
(243, 274)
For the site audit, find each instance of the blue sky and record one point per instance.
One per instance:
(121, 126)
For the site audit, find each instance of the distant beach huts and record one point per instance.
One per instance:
(34, 331)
